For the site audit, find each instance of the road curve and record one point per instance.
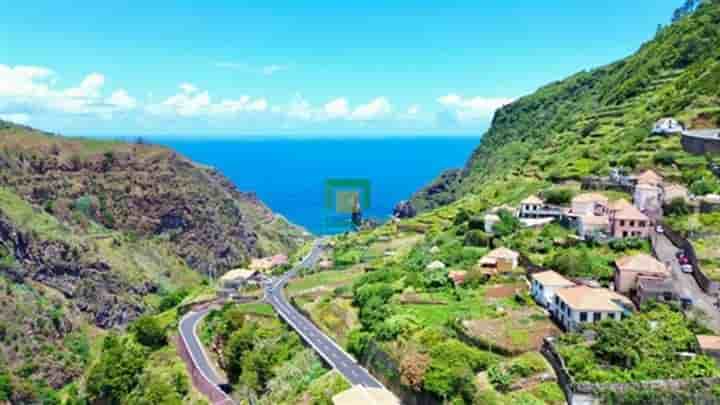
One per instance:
(333, 354)
(188, 333)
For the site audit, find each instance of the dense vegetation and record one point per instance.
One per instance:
(646, 346)
(265, 360)
(598, 119)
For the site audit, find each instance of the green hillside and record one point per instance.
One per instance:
(601, 118)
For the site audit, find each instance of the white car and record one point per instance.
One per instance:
(659, 229)
(686, 268)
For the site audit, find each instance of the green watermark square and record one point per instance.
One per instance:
(345, 200)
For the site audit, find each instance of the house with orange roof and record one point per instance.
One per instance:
(575, 306)
(627, 221)
(629, 270)
(501, 259)
(650, 177)
(544, 284)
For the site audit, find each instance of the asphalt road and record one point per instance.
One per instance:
(322, 344)
(685, 283)
(188, 328)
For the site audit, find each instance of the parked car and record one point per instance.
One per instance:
(683, 260)
(686, 268)
(686, 302)
(659, 229)
(680, 253)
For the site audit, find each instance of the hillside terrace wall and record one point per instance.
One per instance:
(698, 145)
(708, 285)
(678, 392)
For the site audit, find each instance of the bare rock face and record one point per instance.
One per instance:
(404, 209)
(91, 286)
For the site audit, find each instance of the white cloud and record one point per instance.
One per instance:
(337, 108)
(375, 109)
(16, 118)
(188, 87)
(192, 102)
(473, 108)
(122, 100)
(32, 88)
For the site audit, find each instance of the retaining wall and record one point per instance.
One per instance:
(698, 145)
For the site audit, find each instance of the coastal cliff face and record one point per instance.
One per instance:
(597, 119)
(93, 234)
(144, 190)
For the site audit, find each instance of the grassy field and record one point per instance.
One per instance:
(326, 279)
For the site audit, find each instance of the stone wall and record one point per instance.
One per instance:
(700, 146)
(671, 392)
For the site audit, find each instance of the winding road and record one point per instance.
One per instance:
(325, 347)
(333, 354)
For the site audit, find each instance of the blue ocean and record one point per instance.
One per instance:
(289, 174)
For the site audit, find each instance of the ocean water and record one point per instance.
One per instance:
(289, 174)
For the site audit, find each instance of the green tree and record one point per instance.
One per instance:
(149, 332)
(508, 224)
(117, 371)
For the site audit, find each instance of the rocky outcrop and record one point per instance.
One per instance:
(404, 209)
(439, 192)
(92, 287)
(147, 191)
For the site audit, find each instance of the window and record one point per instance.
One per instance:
(597, 316)
(625, 234)
(622, 222)
(641, 224)
(583, 316)
(632, 223)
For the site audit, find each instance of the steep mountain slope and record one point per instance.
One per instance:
(93, 234)
(597, 119)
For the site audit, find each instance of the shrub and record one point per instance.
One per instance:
(559, 196)
(476, 222)
(477, 238)
(677, 207)
(149, 332)
(664, 157)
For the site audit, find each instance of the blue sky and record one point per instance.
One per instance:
(299, 67)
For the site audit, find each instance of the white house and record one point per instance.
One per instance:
(667, 126)
(543, 286)
(530, 206)
(647, 196)
(575, 306)
(490, 221)
(589, 204)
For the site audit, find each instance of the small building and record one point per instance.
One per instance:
(575, 306)
(502, 259)
(457, 276)
(490, 220)
(238, 278)
(649, 177)
(709, 345)
(629, 268)
(647, 196)
(268, 263)
(589, 204)
(361, 395)
(667, 126)
(543, 286)
(674, 191)
(627, 221)
(653, 289)
(590, 226)
(530, 207)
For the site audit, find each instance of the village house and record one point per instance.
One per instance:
(589, 204)
(502, 260)
(268, 263)
(674, 191)
(647, 197)
(232, 281)
(649, 177)
(627, 221)
(629, 268)
(575, 306)
(589, 226)
(490, 220)
(667, 126)
(543, 286)
(653, 289)
(361, 395)
(530, 207)
(709, 345)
